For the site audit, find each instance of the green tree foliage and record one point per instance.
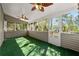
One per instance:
(43, 25)
(71, 23)
(12, 26)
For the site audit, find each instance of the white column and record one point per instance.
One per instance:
(60, 25)
(15, 26)
(50, 21)
(60, 30)
(5, 25)
(1, 26)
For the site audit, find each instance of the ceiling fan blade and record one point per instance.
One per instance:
(46, 4)
(42, 9)
(33, 8)
(40, 6)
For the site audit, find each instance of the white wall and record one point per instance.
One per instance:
(44, 36)
(39, 35)
(54, 39)
(1, 27)
(70, 41)
(10, 34)
(5, 25)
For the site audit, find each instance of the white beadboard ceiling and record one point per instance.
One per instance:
(17, 9)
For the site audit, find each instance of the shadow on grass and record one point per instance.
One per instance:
(62, 51)
(41, 47)
(10, 48)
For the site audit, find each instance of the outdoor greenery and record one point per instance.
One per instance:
(12, 26)
(68, 22)
(39, 26)
(43, 25)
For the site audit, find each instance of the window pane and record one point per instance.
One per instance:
(71, 22)
(42, 25)
(11, 26)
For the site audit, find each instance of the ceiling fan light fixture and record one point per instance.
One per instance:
(40, 6)
(23, 17)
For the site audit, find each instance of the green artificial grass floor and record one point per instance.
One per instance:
(27, 46)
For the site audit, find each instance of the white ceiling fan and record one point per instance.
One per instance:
(40, 6)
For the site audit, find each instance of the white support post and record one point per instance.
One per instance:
(60, 25)
(5, 25)
(1, 26)
(15, 27)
